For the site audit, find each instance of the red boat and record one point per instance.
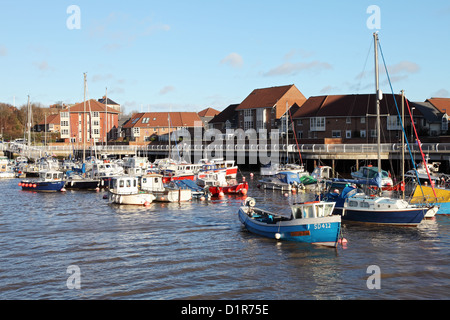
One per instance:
(236, 188)
(220, 164)
(171, 175)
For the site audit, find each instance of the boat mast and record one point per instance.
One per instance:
(29, 127)
(84, 120)
(378, 96)
(403, 144)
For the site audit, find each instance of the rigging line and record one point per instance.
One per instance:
(295, 136)
(404, 132)
(364, 68)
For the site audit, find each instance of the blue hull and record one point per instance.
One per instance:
(410, 217)
(322, 231)
(45, 186)
(444, 208)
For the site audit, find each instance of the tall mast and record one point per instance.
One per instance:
(106, 118)
(378, 96)
(84, 121)
(403, 143)
(29, 124)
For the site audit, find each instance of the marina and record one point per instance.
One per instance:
(200, 250)
(261, 167)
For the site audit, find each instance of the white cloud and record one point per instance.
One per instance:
(119, 30)
(166, 90)
(403, 67)
(233, 59)
(43, 66)
(328, 89)
(3, 51)
(442, 93)
(289, 68)
(101, 77)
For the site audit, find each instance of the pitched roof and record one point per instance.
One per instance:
(443, 104)
(51, 119)
(429, 112)
(104, 100)
(264, 98)
(161, 119)
(273, 96)
(227, 114)
(353, 105)
(91, 106)
(208, 112)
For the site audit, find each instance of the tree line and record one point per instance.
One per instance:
(13, 119)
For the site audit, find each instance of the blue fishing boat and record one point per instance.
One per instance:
(354, 205)
(48, 181)
(309, 222)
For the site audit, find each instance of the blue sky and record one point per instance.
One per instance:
(190, 55)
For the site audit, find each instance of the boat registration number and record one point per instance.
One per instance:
(300, 233)
(318, 226)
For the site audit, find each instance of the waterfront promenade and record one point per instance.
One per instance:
(250, 152)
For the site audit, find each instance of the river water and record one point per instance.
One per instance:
(199, 250)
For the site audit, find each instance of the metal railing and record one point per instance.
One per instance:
(39, 151)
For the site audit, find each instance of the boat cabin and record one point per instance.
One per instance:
(152, 182)
(313, 209)
(51, 175)
(125, 185)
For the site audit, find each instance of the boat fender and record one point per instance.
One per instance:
(250, 202)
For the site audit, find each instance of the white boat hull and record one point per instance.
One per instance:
(131, 199)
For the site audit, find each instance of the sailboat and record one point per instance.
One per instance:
(354, 205)
(80, 179)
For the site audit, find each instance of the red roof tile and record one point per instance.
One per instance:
(273, 96)
(161, 119)
(443, 104)
(91, 106)
(354, 105)
(208, 112)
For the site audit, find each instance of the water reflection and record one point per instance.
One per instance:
(200, 250)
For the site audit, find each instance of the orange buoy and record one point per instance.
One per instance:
(221, 194)
(34, 185)
(20, 184)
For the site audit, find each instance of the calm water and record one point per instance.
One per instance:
(199, 250)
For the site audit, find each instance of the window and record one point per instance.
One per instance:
(444, 123)
(136, 132)
(393, 123)
(95, 115)
(373, 133)
(299, 123)
(336, 133)
(348, 120)
(352, 203)
(348, 134)
(317, 124)
(365, 204)
(145, 120)
(363, 120)
(299, 134)
(64, 123)
(362, 133)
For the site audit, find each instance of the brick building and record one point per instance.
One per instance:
(151, 126)
(84, 122)
(349, 119)
(264, 108)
